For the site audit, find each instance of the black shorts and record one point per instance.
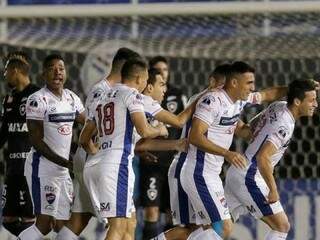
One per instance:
(16, 200)
(154, 187)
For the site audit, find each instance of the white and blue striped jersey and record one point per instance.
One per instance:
(58, 115)
(216, 109)
(276, 125)
(115, 128)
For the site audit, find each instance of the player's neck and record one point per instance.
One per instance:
(23, 83)
(113, 78)
(231, 94)
(56, 92)
(294, 112)
(131, 84)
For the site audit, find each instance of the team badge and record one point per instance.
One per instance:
(172, 106)
(51, 197)
(152, 194)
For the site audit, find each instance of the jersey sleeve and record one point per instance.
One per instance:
(134, 102)
(78, 104)
(280, 136)
(207, 109)
(36, 107)
(151, 106)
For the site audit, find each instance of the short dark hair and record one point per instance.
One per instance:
(239, 67)
(47, 61)
(19, 60)
(153, 61)
(132, 66)
(221, 70)
(124, 54)
(297, 89)
(153, 72)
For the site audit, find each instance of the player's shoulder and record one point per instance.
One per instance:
(70, 92)
(40, 94)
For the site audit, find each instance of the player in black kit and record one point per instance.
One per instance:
(16, 201)
(154, 176)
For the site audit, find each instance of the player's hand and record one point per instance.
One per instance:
(163, 130)
(236, 159)
(147, 157)
(273, 197)
(182, 145)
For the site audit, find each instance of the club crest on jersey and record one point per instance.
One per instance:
(152, 194)
(22, 109)
(139, 97)
(51, 197)
(34, 103)
(283, 131)
(207, 101)
(172, 106)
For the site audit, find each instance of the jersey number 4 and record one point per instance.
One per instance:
(106, 118)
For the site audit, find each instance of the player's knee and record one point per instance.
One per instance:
(151, 214)
(16, 227)
(283, 226)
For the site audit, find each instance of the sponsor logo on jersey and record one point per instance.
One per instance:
(65, 129)
(51, 197)
(17, 127)
(223, 202)
(48, 188)
(227, 121)
(104, 207)
(62, 117)
(18, 155)
(283, 131)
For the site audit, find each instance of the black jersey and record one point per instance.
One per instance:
(175, 102)
(14, 129)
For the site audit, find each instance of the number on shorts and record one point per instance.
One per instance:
(105, 119)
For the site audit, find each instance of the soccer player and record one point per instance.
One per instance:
(51, 112)
(214, 123)
(108, 172)
(82, 209)
(17, 208)
(254, 188)
(174, 101)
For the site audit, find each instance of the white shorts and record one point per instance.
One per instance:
(181, 209)
(51, 195)
(110, 187)
(247, 195)
(82, 201)
(206, 195)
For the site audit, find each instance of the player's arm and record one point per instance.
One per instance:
(273, 93)
(35, 128)
(144, 129)
(81, 118)
(161, 145)
(266, 169)
(243, 131)
(197, 138)
(89, 130)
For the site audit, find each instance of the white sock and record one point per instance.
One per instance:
(208, 234)
(161, 236)
(195, 233)
(31, 233)
(66, 234)
(275, 235)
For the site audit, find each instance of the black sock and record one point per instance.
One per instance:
(150, 230)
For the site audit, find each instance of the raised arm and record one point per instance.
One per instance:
(35, 128)
(273, 93)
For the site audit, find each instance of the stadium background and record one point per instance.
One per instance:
(281, 46)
